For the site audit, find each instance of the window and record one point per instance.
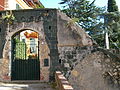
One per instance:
(33, 48)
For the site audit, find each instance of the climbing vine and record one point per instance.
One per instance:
(8, 17)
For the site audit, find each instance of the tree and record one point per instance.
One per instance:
(113, 27)
(85, 12)
(88, 16)
(111, 24)
(112, 7)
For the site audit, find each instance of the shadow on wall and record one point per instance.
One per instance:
(50, 32)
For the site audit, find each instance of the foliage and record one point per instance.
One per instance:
(113, 26)
(112, 23)
(86, 13)
(20, 49)
(99, 39)
(39, 6)
(89, 16)
(8, 17)
(112, 7)
(71, 22)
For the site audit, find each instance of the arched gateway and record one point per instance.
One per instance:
(25, 62)
(26, 56)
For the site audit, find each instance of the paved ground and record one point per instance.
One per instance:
(41, 86)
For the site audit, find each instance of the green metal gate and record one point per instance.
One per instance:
(24, 67)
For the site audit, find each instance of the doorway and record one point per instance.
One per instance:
(25, 64)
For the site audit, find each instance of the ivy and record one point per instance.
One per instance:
(8, 17)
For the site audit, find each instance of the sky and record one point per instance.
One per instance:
(54, 3)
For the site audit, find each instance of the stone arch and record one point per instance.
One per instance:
(8, 40)
(43, 43)
(25, 62)
(14, 32)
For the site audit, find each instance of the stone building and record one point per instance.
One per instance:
(56, 44)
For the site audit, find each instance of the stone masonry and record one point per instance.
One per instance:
(91, 73)
(70, 56)
(55, 34)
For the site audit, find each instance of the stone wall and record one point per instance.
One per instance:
(90, 73)
(57, 38)
(2, 37)
(42, 21)
(70, 33)
(70, 56)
